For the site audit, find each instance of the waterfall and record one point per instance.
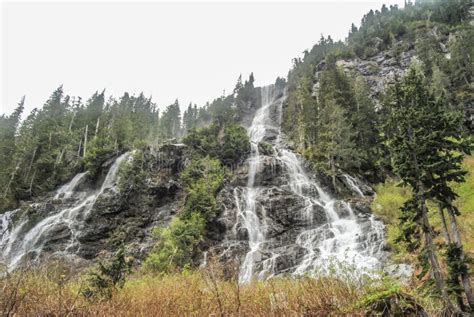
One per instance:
(18, 243)
(6, 223)
(248, 212)
(344, 238)
(68, 189)
(352, 182)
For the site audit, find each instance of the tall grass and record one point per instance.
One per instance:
(54, 291)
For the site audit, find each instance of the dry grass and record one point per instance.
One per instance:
(54, 291)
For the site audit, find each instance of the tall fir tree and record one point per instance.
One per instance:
(414, 144)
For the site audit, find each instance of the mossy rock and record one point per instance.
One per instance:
(265, 148)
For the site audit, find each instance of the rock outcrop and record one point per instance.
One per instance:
(87, 218)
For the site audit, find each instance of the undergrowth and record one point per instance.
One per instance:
(54, 291)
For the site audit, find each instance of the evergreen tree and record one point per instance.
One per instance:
(364, 122)
(414, 144)
(333, 148)
(171, 121)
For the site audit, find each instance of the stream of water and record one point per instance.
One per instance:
(345, 239)
(24, 238)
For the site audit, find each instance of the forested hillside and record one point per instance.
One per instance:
(345, 188)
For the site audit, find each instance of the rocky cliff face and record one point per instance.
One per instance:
(279, 217)
(85, 218)
(378, 71)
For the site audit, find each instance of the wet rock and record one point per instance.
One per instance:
(402, 272)
(289, 256)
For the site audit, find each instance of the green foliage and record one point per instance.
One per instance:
(99, 150)
(409, 137)
(386, 205)
(202, 179)
(229, 144)
(108, 277)
(170, 123)
(379, 29)
(133, 174)
(265, 148)
(333, 148)
(51, 144)
(235, 145)
(190, 118)
(457, 266)
(178, 245)
(378, 292)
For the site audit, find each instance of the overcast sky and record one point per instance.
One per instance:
(192, 51)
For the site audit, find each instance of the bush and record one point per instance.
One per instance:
(99, 150)
(133, 175)
(236, 145)
(178, 245)
(203, 178)
(107, 278)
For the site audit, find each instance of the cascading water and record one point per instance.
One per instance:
(6, 223)
(341, 237)
(352, 182)
(25, 239)
(67, 190)
(248, 212)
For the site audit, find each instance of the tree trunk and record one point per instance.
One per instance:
(11, 180)
(31, 164)
(85, 141)
(443, 222)
(97, 127)
(79, 149)
(70, 123)
(433, 258)
(457, 239)
(447, 237)
(31, 183)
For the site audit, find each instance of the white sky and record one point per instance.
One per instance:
(186, 50)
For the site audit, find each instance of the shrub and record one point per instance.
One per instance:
(99, 150)
(107, 278)
(236, 145)
(202, 179)
(133, 174)
(178, 245)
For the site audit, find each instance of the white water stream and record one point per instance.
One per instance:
(339, 241)
(17, 241)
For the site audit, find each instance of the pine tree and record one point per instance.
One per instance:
(364, 121)
(238, 85)
(171, 121)
(8, 166)
(413, 145)
(445, 167)
(333, 148)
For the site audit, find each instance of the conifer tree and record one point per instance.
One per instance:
(414, 144)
